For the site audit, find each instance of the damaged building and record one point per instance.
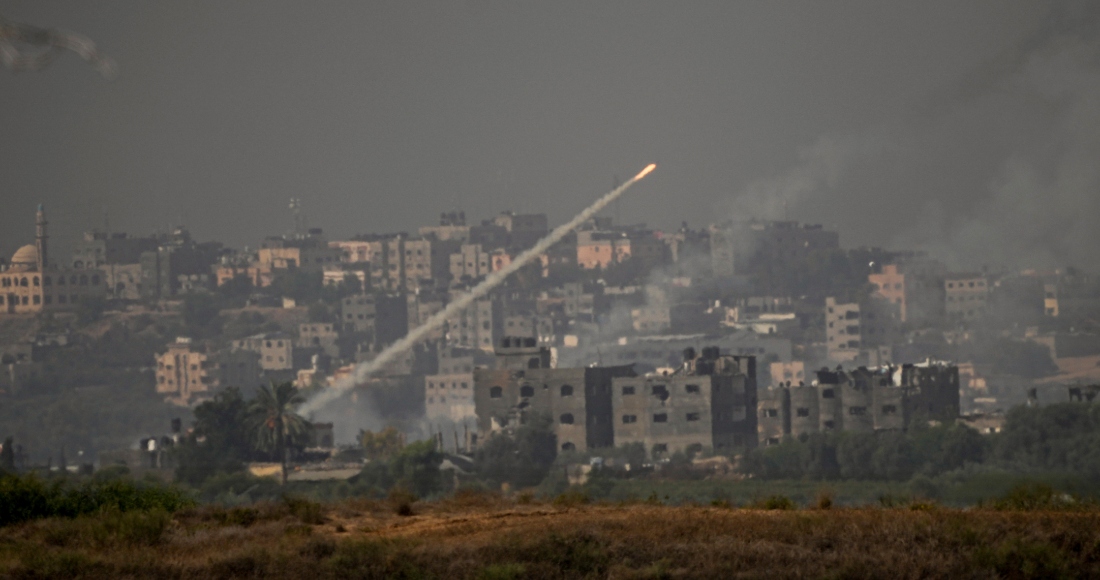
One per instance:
(861, 400)
(706, 403)
(577, 399)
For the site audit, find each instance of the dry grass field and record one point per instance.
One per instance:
(483, 536)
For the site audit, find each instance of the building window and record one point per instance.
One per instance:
(803, 412)
(37, 299)
(769, 412)
(857, 411)
(567, 390)
(889, 410)
(660, 418)
(524, 391)
(827, 394)
(660, 448)
(627, 419)
(692, 389)
(628, 390)
(566, 419)
(693, 416)
(35, 281)
(496, 393)
(567, 446)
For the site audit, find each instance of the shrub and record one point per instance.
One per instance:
(571, 498)
(774, 502)
(401, 500)
(1036, 496)
(309, 512)
(28, 497)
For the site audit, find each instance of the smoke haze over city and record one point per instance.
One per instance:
(965, 129)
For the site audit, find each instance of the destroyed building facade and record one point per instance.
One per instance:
(861, 400)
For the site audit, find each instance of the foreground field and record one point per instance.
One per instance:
(479, 536)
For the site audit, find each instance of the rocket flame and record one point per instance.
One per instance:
(388, 354)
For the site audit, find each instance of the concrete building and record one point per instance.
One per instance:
(1050, 299)
(579, 300)
(309, 253)
(842, 330)
(178, 264)
(524, 230)
(667, 351)
(600, 249)
(187, 374)
(276, 350)
(862, 400)
(427, 262)
(793, 371)
(452, 227)
(469, 263)
(648, 248)
(529, 324)
(709, 402)
(358, 313)
(965, 295)
(258, 276)
(30, 283)
(383, 317)
(478, 326)
(449, 396)
(755, 246)
(98, 249)
(399, 262)
(578, 400)
(889, 285)
(323, 336)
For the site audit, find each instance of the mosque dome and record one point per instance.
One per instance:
(25, 258)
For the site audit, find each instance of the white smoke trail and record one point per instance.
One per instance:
(491, 281)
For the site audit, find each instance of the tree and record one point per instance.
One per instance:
(382, 445)
(961, 445)
(416, 468)
(274, 423)
(219, 442)
(522, 460)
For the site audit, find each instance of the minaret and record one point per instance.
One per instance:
(40, 238)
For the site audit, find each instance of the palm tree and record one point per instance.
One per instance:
(274, 422)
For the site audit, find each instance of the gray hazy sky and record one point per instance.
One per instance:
(944, 125)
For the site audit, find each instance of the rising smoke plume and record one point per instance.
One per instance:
(996, 168)
(365, 370)
(29, 48)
